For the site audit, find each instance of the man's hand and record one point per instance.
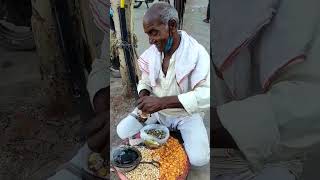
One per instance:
(150, 104)
(97, 129)
(143, 93)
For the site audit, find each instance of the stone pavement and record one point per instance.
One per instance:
(193, 25)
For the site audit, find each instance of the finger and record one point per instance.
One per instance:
(150, 110)
(139, 101)
(141, 95)
(149, 99)
(141, 105)
(146, 108)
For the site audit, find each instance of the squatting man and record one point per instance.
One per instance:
(175, 83)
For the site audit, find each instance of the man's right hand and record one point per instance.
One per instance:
(143, 93)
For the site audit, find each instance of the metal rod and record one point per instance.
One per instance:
(128, 52)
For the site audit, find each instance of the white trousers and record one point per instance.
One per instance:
(192, 129)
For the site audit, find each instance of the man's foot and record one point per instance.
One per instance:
(206, 20)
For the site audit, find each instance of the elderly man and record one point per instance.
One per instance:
(266, 91)
(175, 83)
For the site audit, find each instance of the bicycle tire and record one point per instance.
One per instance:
(137, 4)
(167, 1)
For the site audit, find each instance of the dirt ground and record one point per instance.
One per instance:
(120, 107)
(33, 143)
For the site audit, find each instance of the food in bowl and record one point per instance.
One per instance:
(154, 135)
(158, 133)
(152, 144)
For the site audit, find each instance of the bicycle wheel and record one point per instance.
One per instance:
(137, 4)
(168, 1)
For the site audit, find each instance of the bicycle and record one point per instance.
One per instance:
(138, 3)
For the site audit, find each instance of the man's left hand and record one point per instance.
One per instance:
(150, 104)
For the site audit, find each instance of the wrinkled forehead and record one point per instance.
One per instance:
(152, 18)
(151, 21)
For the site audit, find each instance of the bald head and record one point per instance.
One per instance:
(161, 11)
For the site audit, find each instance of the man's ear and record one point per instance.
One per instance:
(172, 25)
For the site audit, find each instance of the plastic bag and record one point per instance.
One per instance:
(147, 137)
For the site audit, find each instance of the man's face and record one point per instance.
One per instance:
(157, 32)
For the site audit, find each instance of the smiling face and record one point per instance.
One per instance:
(157, 32)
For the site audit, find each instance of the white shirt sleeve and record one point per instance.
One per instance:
(144, 83)
(197, 100)
(98, 77)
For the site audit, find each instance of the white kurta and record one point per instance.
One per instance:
(187, 120)
(195, 101)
